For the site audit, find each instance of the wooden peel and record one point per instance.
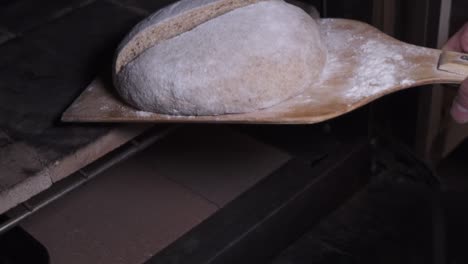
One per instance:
(454, 62)
(363, 65)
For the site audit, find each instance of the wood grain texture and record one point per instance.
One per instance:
(328, 98)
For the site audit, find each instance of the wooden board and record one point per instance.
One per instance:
(363, 64)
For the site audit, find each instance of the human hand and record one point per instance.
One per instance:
(459, 43)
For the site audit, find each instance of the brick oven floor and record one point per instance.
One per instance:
(140, 206)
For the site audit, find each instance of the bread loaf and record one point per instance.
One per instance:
(212, 57)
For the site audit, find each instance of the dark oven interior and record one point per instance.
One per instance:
(365, 187)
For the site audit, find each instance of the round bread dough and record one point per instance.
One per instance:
(251, 58)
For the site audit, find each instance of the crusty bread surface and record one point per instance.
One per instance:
(239, 60)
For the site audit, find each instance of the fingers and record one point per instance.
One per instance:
(459, 41)
(459, 109)
(464, 38)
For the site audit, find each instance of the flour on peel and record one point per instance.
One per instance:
(378, 65)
